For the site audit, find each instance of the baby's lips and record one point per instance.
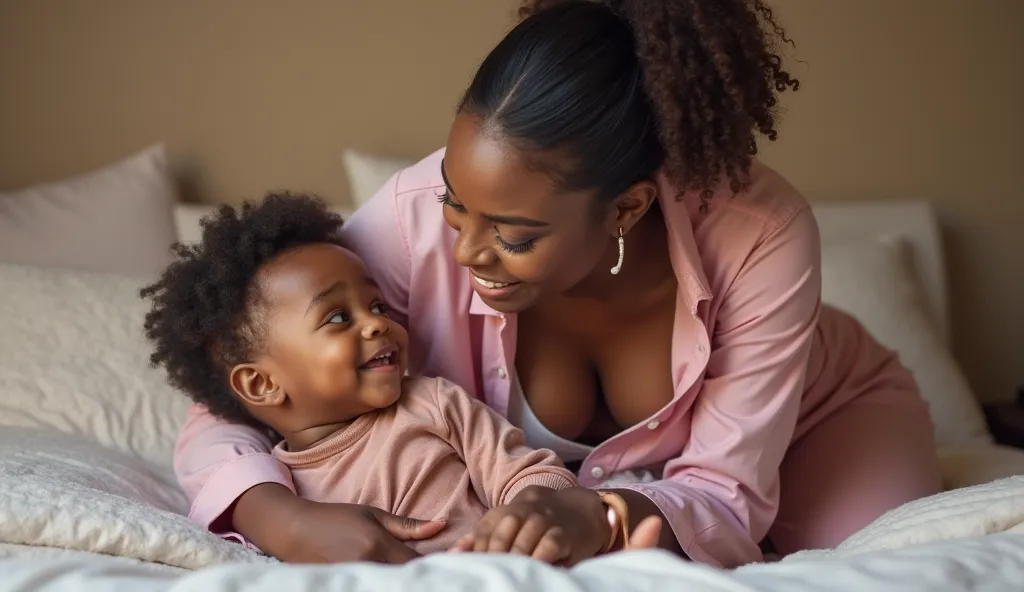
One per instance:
(389, 349)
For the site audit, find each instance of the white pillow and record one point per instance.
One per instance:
(73, 357)
(367, 173)
(115, 219)
(874, 280)
(62, 492)
(187, 219)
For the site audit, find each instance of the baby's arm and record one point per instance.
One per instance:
(495, 452)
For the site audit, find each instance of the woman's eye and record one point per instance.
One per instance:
(379, 308)
(514, 248)
(338, 318)
(445, 199)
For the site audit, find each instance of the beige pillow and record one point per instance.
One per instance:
(875, 281)
(117, 219)
(188, 220)
(73, 358)
(367, 173)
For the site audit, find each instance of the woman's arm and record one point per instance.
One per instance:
(217, 462)
(721, 494)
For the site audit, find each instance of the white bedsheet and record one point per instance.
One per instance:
(994, 563)
(77, 516)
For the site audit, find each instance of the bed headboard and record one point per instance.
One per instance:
(912, 220)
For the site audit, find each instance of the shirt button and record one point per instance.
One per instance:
(597, 472)
(700, 348)
(653, 424)
(502, 373)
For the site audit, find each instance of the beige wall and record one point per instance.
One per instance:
(905, 98)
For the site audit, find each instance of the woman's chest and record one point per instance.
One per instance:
(589, 376)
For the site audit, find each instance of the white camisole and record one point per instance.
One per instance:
(539, 436)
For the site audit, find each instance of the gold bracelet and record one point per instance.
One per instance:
(618, 519)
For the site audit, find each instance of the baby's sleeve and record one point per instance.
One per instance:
(499, 461)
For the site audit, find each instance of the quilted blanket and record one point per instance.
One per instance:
(65, 496)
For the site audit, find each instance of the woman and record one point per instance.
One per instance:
(611, 269)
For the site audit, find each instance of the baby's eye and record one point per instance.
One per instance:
(339, 318)
(379, 308)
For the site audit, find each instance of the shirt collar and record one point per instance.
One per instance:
(477, 306)
(683, 252)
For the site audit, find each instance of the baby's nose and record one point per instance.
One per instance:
(374, 328)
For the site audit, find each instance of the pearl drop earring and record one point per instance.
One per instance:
(622, 251)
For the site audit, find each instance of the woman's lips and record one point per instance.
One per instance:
(492, 285)
(493, 290)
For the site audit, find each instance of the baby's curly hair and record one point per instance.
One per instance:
(206, 315)
(624, 87)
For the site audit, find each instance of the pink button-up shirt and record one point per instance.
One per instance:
(750, 356)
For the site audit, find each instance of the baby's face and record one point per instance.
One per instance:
(329, 344)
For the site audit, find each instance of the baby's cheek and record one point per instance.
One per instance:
(341, 353)
(335, 364)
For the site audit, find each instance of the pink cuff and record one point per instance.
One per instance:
(231, 480)
(556, 481)
(676, 518)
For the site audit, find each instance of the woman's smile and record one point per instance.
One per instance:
(492, 290)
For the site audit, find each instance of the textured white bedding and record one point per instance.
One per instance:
(74, 513)
(991, 564)
(67, 493)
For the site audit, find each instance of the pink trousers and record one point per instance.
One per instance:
(859, 461)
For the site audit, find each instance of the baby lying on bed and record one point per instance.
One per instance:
(270, 322)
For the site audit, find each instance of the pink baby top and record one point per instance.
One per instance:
(756, 360)
(435, 454)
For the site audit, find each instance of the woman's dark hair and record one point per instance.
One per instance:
(206, 315)
(621, 88)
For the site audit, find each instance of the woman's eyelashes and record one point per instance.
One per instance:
(516, 248)
(445, 199)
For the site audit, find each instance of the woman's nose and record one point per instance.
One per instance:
(472, 249)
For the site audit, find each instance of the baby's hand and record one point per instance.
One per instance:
(539, 524)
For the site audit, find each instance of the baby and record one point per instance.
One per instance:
(269, 321)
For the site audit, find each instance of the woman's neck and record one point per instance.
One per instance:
(646, 275)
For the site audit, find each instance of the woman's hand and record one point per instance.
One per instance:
(563, 527)
(302, 531)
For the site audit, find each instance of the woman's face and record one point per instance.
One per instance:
(518, 236)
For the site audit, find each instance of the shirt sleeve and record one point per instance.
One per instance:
(216, 461)
(495, 452)
(721, 495)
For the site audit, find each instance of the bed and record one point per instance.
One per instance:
(88, 499)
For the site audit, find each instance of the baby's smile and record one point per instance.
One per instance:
(384, 359)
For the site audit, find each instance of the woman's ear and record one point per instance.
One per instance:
(630, 206)
(255, 387)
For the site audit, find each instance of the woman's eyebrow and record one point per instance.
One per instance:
(497, 219)
(515, 221)
(444, 177)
